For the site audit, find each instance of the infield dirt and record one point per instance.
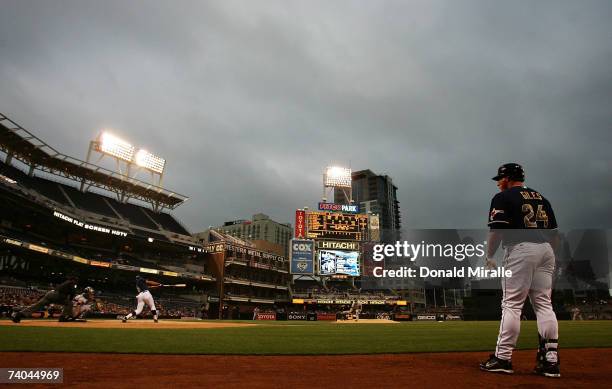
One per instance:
(139, 324)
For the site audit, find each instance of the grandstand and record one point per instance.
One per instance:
(96, 208)
(60, 215)
(24, 150)
(246, 277)
(19, 143)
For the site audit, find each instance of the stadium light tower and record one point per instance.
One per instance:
(108, 144)
(149, 161)
(114, 146)
(152, 163)
(129, 161)
(338, 177)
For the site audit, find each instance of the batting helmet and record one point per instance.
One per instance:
(513, 171)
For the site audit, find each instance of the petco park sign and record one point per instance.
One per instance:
(338, 207)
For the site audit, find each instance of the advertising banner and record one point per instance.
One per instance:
(87, 226)
(326, 316)
(301, 254)
(296, 316)
(337, 245)
(300, 224)
(426, 317)
(402, 317)
(339, 207)
(266, 316)
(453, 317)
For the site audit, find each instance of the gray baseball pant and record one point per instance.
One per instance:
(532, 266)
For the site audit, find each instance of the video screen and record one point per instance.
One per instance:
(339, 262)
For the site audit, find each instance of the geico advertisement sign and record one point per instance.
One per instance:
(426, 317)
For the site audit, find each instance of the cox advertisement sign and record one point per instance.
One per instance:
(301, 255)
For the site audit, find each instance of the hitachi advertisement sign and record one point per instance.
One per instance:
(339, 207)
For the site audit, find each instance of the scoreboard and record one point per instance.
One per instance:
(330, 225)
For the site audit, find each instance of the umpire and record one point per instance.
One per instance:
(62, 295)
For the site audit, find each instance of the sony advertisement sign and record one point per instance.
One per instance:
(296, 315)
(353, 208)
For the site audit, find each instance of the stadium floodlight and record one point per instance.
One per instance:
(116, 147)
(149, 161)
(337, 177)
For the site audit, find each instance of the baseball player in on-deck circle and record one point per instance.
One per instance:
(522, 220)
(143, 297)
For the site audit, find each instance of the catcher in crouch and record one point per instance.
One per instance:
(143, 297)
(82, 304)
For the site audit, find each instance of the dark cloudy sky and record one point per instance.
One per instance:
(250, 100)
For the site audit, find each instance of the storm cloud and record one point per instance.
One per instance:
(250, 100)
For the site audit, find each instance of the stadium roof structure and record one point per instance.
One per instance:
(21, 144)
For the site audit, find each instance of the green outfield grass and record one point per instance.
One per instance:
(296, 338)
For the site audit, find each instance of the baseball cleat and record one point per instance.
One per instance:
(16, 317)
(124, 319)
(548, 369)
(496, 365)
(155, 320)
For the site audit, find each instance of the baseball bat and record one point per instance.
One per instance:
(175, 285)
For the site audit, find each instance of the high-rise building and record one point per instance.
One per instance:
(375, 194)
(267, 234)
